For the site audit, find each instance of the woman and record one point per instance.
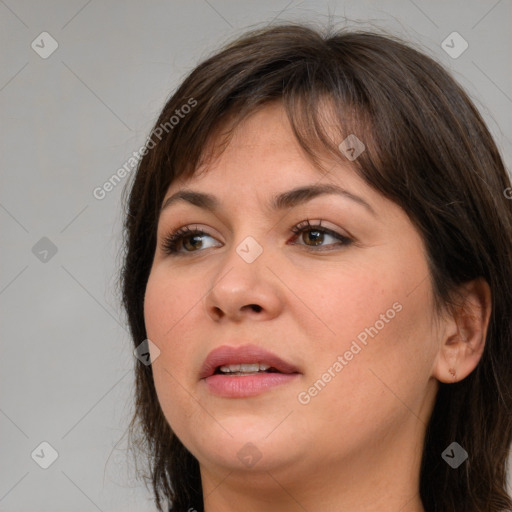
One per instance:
(319, 260)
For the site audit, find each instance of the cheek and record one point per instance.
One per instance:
(338, 304)
(169, 304)
(170, 310)
(376, 371)
(378, 319)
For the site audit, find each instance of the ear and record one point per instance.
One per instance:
(464, 333)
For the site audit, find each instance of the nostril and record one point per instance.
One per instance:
(255, 307)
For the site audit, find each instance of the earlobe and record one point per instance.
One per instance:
(464, 334)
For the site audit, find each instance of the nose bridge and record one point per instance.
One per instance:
(249, 249)
(242, 282)
(250, 235)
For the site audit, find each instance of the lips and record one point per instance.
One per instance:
(245, 354)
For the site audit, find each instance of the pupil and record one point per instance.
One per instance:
(315, 239)
(193, 245)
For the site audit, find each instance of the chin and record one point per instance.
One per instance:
(248, 456)
(246, 449)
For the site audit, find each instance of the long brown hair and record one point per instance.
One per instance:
(427, 149)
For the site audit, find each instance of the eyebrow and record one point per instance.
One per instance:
(282, 201)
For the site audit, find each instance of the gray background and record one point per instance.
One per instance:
(68, 122)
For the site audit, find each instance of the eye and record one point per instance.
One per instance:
(185, 238)
(317, 235)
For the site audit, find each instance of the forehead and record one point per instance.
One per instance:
(263, 159)
(262, 150)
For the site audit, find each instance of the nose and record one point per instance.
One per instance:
(243, 289)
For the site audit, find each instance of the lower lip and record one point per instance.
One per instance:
(241, 386)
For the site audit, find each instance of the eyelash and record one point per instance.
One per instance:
(171, 241)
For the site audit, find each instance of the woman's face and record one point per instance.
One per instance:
(347, 306)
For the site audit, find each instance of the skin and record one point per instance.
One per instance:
(357, 444)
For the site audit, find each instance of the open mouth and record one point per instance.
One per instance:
(244, 360)
(236, 370)
(245, 371)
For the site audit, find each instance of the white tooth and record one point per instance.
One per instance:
(251, 367)
(244, 368)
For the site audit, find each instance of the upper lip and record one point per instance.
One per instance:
(226, 355)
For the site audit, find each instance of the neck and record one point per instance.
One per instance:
(380, 478)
